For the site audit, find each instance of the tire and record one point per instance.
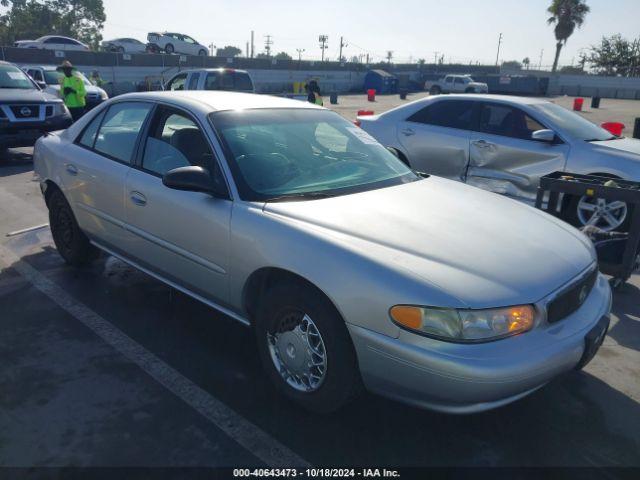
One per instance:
(283, 306)
(72, 244)
(435, 90)
(399, 155)
(202, 53)
(470, 90)
(168, 49)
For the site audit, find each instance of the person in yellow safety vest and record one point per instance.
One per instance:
(72, 90)
(313, 93)
(96, 79)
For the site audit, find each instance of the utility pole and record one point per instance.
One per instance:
(389, 56)
(540, 64)
(247, 50)
(498, 54)
(367, 59)
(435, 58)
(342, 44)
(323, 39)
(253, 45)
(299, 50)
(267, 45)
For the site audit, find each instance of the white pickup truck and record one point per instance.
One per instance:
(456, 84)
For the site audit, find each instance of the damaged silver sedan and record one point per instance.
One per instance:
(505, 144)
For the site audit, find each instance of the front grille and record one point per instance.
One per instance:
(25, 111)
(93, 97)
(571, 299)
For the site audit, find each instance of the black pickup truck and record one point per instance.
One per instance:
(26, 112)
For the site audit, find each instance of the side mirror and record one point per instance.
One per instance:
(547, 136)
(193, 179)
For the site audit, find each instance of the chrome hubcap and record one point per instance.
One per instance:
(298, 353)
(601, 213)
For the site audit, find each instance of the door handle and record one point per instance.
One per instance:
(482, 144)
(71, 169)
(138, 198)
(407, 132)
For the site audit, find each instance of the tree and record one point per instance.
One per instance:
(514, 64)
(526, 62)
(615, 56)
(228, 51)
(283, 56)
(29, 19)
(566, 15)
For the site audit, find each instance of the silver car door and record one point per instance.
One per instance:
(95, 170)
(436, 138)
(181, 236)
(504, 158)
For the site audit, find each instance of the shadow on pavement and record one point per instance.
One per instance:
(626, 307)
(577, 420)
(15, 162)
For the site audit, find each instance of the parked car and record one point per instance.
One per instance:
(124, 45)
(348, 265)
(53, 42)
(26, 112)
(228, 79)
(175, 43)
(48, 77)
(505, 144)
(456, 84)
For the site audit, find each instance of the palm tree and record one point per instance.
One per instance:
(566, 15)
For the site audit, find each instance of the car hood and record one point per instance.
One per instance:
(22, 95)
(478, 247)
(630, 145)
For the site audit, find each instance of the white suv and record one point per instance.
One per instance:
(175, 43)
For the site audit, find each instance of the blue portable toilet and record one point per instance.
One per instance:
(383, 82)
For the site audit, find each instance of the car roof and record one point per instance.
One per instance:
(219, 69)
(217, 100)
(493, 98)
(58, 36)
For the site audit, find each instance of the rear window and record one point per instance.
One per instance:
(446, 113)
(230, 81)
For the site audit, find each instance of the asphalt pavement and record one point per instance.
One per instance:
(105, 366)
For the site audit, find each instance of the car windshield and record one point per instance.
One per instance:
(13, 77)
(52, 77)
(298, 153)
(573, 124)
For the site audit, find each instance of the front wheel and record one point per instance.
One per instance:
(72, 244)
(169, 49)
(305, 348)
(435, 90)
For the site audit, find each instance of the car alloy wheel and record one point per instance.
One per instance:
(298, 351)
(601, 213)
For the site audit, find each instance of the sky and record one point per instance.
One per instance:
(462, 31)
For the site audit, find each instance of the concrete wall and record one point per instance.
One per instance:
(592, 86)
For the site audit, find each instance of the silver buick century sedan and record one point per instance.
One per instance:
(353, 270)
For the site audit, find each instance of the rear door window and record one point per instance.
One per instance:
(242, 81)
(120, 129)
(193, 81)
(88, 137)
(451, 114)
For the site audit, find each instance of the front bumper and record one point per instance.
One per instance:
(25, 134)
(469, 378)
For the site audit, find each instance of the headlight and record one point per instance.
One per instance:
(103, 95)
(60, 108)
(465, 325)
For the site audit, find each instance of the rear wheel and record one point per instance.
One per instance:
(470, 90)
(202, 53)
(435, 90)
(305, 348)
(72, 244)
(169, 49)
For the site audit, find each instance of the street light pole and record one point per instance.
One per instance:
(498, 54)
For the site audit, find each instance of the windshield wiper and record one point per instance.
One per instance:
(299, 196)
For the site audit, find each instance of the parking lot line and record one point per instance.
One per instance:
(242, 431)
(27, 230)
